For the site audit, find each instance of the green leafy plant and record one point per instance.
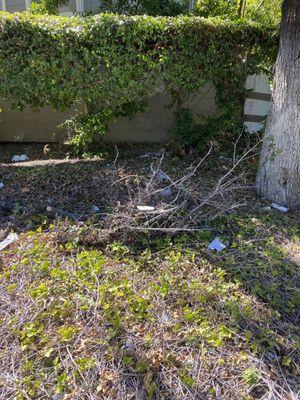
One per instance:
(251, 376)
(267, 11)
(67, 333)
(109, 65)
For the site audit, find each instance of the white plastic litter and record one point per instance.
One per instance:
(279, 207)
(1, 185)
(11, 238)
(145, 208)
(217, 245)
(95, 209)
(154, 154)
(21, 157)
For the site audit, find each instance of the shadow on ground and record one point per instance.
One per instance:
(244, 300)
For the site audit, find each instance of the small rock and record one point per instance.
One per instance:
(166, 193)
(129, 347)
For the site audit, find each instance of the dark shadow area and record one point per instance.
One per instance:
(72, 187)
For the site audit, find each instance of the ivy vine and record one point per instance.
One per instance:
(113, 64)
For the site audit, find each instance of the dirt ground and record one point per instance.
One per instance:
(79, 186)
(59, 180)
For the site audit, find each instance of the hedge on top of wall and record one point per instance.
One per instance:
(114, 63)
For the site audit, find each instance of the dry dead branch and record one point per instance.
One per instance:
(177, 205)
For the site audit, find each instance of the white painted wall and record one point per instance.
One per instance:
(257, 103)
(14, 5)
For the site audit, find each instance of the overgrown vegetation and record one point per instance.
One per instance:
(154, 316)
(264, 11)
(110, 65)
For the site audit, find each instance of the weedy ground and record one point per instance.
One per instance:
(150, 317)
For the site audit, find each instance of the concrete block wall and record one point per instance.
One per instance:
(148, 127)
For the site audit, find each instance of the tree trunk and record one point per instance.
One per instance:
(241, 8)
(278, 178)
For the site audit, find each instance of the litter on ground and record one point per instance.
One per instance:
(1, 185)
(145, 208)
(217, 245)
(21, 157)
(11, 238)
(279, 207)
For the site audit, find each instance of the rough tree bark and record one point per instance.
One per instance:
(278, 178)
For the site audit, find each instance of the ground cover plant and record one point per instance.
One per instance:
(148, 315)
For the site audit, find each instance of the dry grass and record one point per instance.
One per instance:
(155, 316)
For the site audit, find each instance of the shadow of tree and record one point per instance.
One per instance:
(73, 187)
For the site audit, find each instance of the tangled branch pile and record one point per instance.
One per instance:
(157, 203)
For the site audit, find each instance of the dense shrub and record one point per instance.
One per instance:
(265, 12)
(113, 64)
